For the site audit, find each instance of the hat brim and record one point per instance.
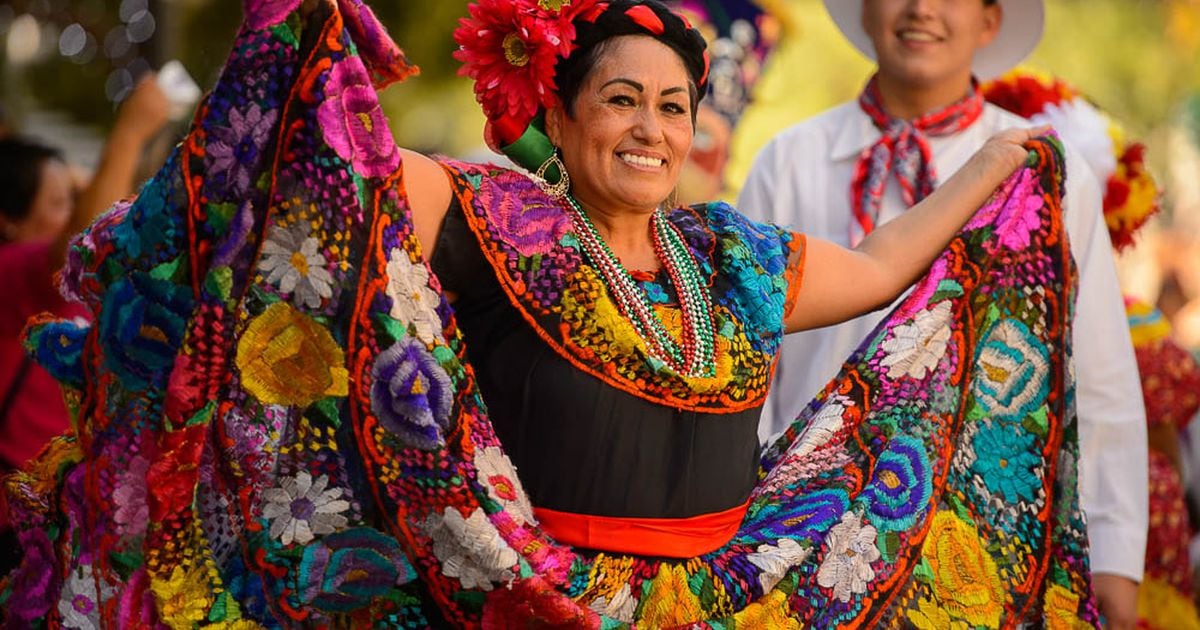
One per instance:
(1020, 32)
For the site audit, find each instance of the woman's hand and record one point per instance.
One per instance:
(1004, 152)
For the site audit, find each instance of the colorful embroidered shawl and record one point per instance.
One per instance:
(276, 425)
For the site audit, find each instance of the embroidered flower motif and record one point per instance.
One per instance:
(1006, 459)
(533, 603)
(509, 49)
(414, 302)
(264, 13)
(930, 616)
(346, 570)
(1012, 372)
(621, 607)
(771, 612)
(1061, 607)
(847, 565)
(470, 549)
(900, 488)
(498, 475)
(411, 394)
(675, 604)
(1020, 216)
(184, 598)
(79, 604)
(353, 123)
(34, 589)
(142, 325)
(286, 358)
(301, 506)
(965, 581)
(916, 348)
(822, 426)
(132, 513)
(775, 561)
(530, 222)
(234, 152)
(293, 262)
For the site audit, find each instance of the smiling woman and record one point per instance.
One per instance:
(337, 382)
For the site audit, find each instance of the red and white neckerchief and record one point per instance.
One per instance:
(903, 150)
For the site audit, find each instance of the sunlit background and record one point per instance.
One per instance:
(65, 63)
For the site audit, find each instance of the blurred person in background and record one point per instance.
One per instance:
(39, 214)
(1170, 380)
(857, 166)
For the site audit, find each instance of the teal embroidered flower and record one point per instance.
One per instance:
(1012, 372)
(1004, 459)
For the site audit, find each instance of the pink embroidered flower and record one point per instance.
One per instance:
(509, 48)
(1021, 215)
(130, 496)
(264, 13)
(353, 124)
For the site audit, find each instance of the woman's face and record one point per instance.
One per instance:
(51, 209)
(631, 128)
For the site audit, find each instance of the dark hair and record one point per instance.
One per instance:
(592, 38)
(21, 164)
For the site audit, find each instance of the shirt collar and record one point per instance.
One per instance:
(856, 133)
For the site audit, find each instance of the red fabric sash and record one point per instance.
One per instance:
(661, 537)
(903, 150)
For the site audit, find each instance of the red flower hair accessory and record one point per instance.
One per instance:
(509, 48)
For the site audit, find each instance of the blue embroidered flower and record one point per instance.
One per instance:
(898, 494)
(1012, 372)
(800, 516)
(57, 346)
(142, 325)
(412, 395)
(1004, 459)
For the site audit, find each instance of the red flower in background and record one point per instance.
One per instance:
(1025, 94)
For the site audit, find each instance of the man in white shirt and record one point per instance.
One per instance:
(860, 164)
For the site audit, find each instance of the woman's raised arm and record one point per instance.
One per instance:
(428, 189)
(840, 284)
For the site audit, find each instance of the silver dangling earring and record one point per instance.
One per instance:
(558, 189)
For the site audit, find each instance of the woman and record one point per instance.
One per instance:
(273, 359)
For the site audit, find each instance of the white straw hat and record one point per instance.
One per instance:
(1019, 33)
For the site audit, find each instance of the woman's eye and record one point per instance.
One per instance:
(674, 108)
(621, 99)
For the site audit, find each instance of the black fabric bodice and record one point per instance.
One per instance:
(580, 445)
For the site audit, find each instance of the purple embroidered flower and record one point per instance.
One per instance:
(412, 394)
(531, 223)
(264, 13)
(353, 124)
(235, 151)
(35, 585)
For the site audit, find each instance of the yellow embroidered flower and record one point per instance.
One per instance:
(1061, 608)
(930, 616)
(965, 579)
(286, 358)
(771, 611)
(184, 599)
(670, 602)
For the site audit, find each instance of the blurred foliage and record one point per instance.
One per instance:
(1136, 58)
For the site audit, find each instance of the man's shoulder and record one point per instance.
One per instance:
(820, 127)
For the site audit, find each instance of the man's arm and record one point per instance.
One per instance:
(1112, 420)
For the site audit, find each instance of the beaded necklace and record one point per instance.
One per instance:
(695, 358)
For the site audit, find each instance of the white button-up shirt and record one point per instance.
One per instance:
(801, 179)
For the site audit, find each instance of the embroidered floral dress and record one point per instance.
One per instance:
(280, 424)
